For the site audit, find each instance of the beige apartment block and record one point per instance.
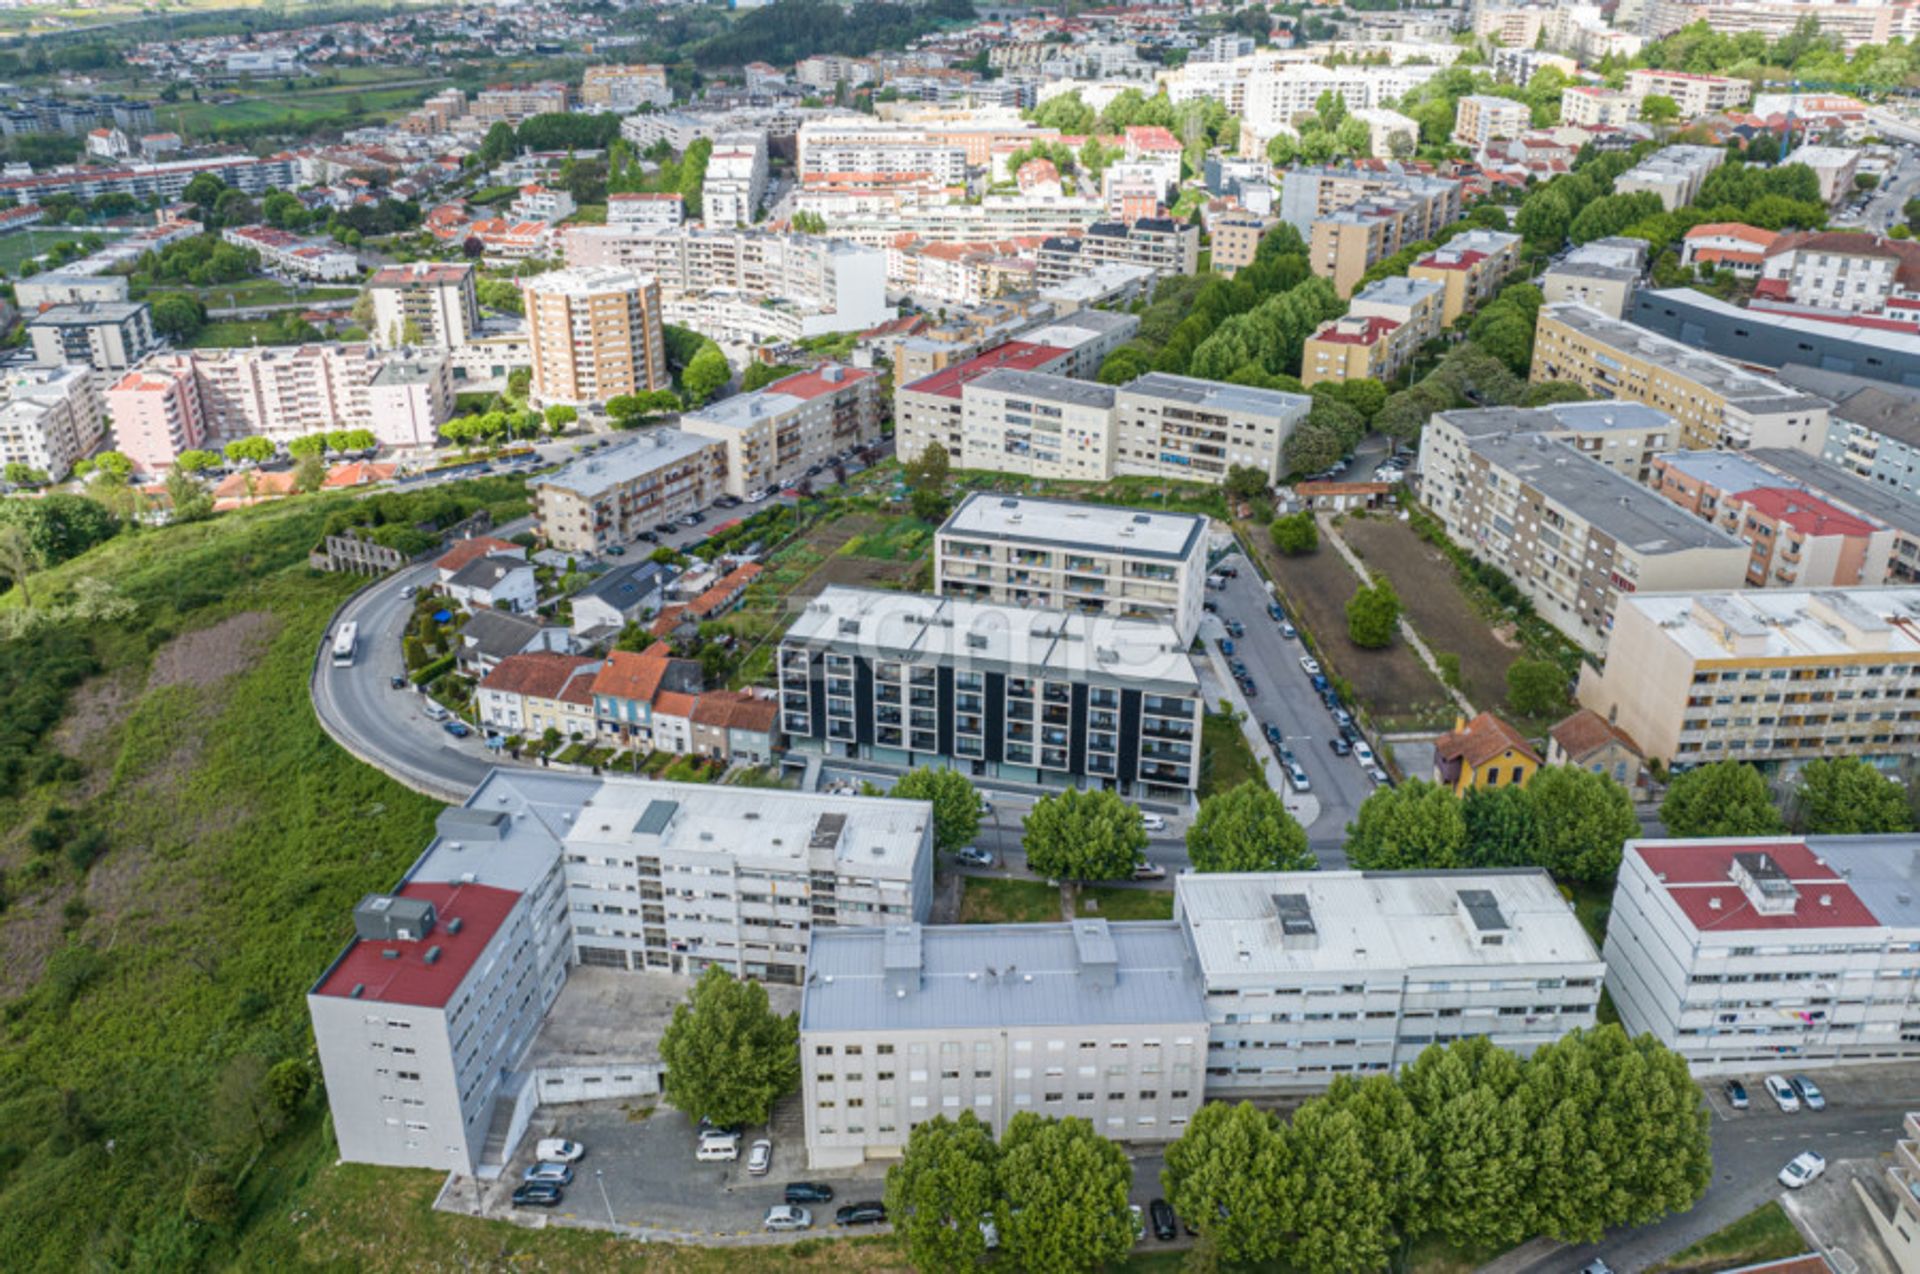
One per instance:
(595, 335)
(1770, 675)
(625, 89)
(1591, 106)
(1469, 268)
(1715, 402)
(775, 434)
(1347, 243)
(608, 497)
(1480, 120)
(1353, 348)
(1695, 95)
(50, 418)
(1236, 240)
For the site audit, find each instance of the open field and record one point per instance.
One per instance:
(1762, 1235)
(1392, 685)
(1115, 903)
(248, 292)
(1225, 761)
(24, 245)
(1441, 613)
(340, 103)
(988, 901)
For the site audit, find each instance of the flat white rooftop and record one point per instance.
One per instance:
(1102, 528)
(1021, 641)
(603, 471)
(1786, 624)
(1280, 923)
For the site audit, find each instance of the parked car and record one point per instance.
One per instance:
(1285, 754)
(558, 1150)
(1782, 1093)
(1226, 645)
(1737, 1095)
(1153, 822)
(1363, 754)
(558, 1174)
(664, 528)
(616, 550)
(537, 1194)
(1163, 1225)
(974, 856)
(783, 1217)
(1273, 735)
(1238, 667)
(1149, 871)
(1298, 777)
(1340, 715)
(1808, 1092)
(1311, 665)
(1321, 684)
(1339, 745)
(870, 1212)
(808, 1192)
(1378, 776)
(434, 712)
(1248, 689)
(1806, 1166)
(759, 1158)
(1288, 631)
(724, 1148)
(649, 537)
(458, 729)
(1236, 629)
(1211, 607)
(397, 681)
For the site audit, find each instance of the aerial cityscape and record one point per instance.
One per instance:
(918, 635)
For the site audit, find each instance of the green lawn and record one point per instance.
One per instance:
(1226, 761)
(200, 119)
(256, 292)
(1759, 1236)
(24, 245)
(992, 902)
(238, 333)
(1116, 903)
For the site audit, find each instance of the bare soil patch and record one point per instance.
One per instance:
(33, 932)
(1440, 612)
(1393, 686)
(98, 706)
(210, 655)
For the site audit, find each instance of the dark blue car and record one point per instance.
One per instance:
(458, 729)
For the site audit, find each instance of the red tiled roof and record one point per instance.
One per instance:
(471, 549)
(1697, 876)
(541, 673)
(1371, 328)
(1733, 230)
(1484, 738)
(1445, 260)
(422, 272)
(735, 710)
(1022, 356)
(1586, 732)
(408, 978)
(674, 704)
(814, 383)
(636, 676)
(1803, 511)
(730, 586)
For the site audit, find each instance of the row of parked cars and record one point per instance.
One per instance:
(1789, 1093)
(546, 1180)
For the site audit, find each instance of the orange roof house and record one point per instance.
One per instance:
(1484, 752)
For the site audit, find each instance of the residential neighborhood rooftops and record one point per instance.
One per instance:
(640, 676)
(420, 272)
(960, 977)
(1804, 512)
(1047, 387)
(1366, 330)
(1586, 732)
(1481, 740)
(1255, 925)
(1730, 886)
(486, 572)
(473, 548)
(1217, 395)
(425, 971)
(603, 471)
(1106, 528)
(541, 674)
(1787, 624)
(1018, 355)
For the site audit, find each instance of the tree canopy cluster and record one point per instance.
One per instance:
(791, 30)
(1568, 820)
(1470, 1144)
(1084, 835)
(729, 1056)
(1247, 828)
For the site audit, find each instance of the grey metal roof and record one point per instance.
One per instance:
(1848, 490)
(1607, 501)
(1102, 528)
(495, 634)
(604, 470)
(1087, 973)
(485, 572)
(626, 586)
(1218, 395)
(1046, 388)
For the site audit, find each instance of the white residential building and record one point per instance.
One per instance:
(50, 417)
(736, 179)
(1313, 975)
(775, 434)
(1092, 559)
(1763, 953)
(424, 303)
(646, 209)
(296, 256)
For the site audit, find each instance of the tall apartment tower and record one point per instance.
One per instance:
(594, 334)
(424, 303)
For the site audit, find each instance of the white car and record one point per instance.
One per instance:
(1805, 1167)
(1363, 754)
(723, 1149)
(1149, 871)
(756, 497)
(1311, 664)
(1153, 822)
(1782, 1093)
(784, 1216)
(558, 1150)
(1298, 777)
(760, 1158)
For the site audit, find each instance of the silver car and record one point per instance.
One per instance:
(784, 1216)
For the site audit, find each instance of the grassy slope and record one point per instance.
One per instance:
(241, 837)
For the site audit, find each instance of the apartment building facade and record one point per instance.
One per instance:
(107, 336)
(424, 303)
(1236, 240)
(932, 409)
(1089, 1019)
(1162, 245)
(1308, 194)
(1028, 694)
(1768, 952)
(1674, 173)
(1769, 677)
(772, 436)
(1574, 534)
(1715, 402)
(1600, 275)
(1342, 246)
(608, 498)
(736, 179)
(1592, 106)
(426, 1022)
(1479, 120)
(1313, 975)
(595, 334)
(50, 419)
(1695, 95)
(514, 103)
(1088, 559)
(1849, 273)
(625, 89)
(1038, 424)
(1834, 167)
(1354, 347)
(1470, 268)
(1177, 427)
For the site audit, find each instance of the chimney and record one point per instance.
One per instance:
(900, 955)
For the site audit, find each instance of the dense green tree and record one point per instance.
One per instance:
(196, 460)
(759, 375)
(1477, 1144)
(310, 474)
(1065, 112)
(306, 445)
(1583, 819)
(257, 449)
(1246, 482)
(1373, 615)
(1295, 533)
(1501, 828)
(1388, 1128)
(1416, 825)
(1063, 1196)
(1536, 687)
(704, 375)
(956, 806)
(1727, 798)
(1310, 448)
(1844, 796)
(945, 1182)
(1658, 108)
(187, 495)
(1247, 828)
(288, 1083)
(559, 416)
(729, 1056)
(1226, 1178)
(178, 317)
(1084, 835)
(211, 1198)
(1340, 1222)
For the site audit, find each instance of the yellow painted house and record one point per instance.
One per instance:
(1483, 752)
